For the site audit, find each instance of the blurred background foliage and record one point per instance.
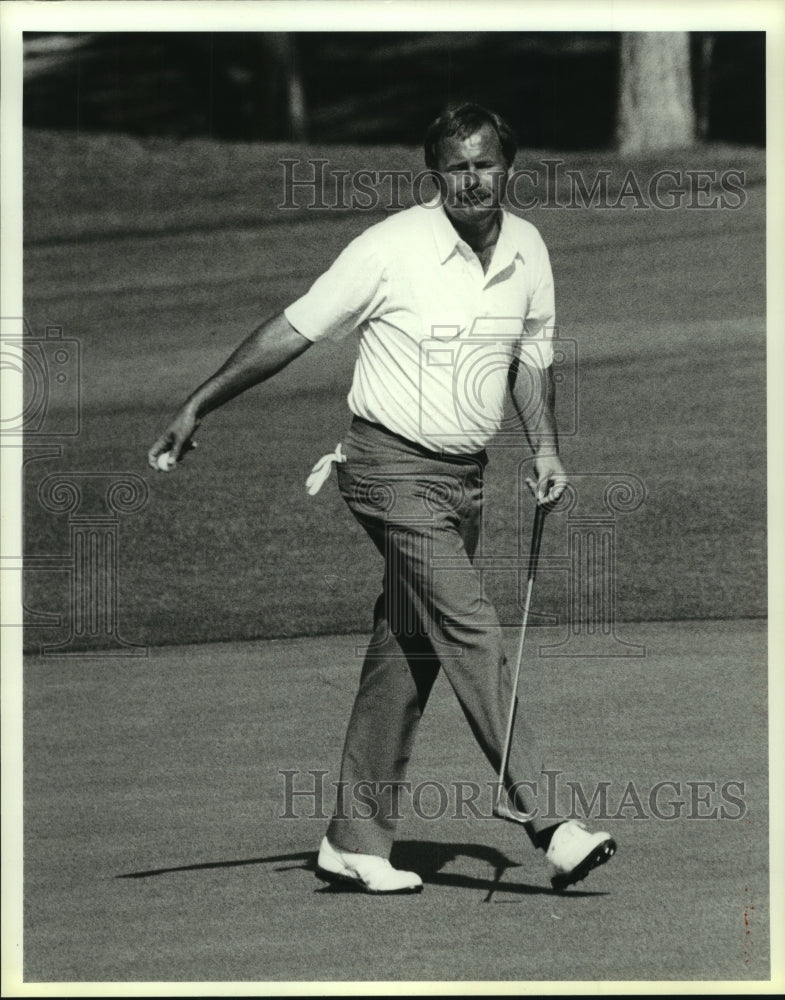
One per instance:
(558, 90)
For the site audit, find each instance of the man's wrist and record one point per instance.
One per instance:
(197, 405)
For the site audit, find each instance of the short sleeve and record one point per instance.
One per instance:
(348, 293)
(536, 346)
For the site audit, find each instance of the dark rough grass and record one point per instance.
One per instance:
(160, 257)
(154, 850)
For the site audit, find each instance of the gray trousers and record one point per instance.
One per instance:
(423, 512)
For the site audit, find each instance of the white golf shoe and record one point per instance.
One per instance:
(574, 851)
(367, 871)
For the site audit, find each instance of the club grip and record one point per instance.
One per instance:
(534, 550)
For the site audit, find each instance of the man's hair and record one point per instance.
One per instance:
(461, 121)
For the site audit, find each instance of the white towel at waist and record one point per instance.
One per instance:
(321, 471)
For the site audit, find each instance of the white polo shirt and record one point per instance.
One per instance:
(437, 335)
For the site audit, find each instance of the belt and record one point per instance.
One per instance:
(473, 457)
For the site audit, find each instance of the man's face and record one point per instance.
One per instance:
(475, 174)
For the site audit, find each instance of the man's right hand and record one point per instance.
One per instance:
(177, 440)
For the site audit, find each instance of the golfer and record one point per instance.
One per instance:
(453, 302)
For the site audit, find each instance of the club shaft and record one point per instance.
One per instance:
(534, 551)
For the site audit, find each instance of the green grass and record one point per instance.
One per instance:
(155, 850)
(159, 257)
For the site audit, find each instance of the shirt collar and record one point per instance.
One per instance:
(449, 242)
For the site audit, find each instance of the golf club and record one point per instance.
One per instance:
(501, 806)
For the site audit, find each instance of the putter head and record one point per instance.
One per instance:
(503, 811)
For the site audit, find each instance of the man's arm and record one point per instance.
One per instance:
(534, 395)
(266, 351)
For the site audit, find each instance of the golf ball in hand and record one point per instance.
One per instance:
(165, 461)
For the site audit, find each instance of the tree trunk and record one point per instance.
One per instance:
(703, 96)
(282, 102)
(655, 92)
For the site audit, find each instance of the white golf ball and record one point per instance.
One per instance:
(165, 461)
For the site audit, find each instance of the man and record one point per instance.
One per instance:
(454, 305)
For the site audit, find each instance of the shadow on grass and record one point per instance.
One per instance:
(427, 858)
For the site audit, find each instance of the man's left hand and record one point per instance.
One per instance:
(551, 480)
